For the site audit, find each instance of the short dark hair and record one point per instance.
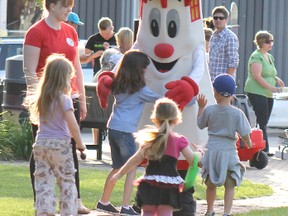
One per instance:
(221, 9)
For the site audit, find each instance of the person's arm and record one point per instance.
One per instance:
(74, 129)
(202, 102)
(231, 71)
(133, 162)
(31, 56)
(81, 88)
(247, 140)
(256, 71)
(90, 55)
(189, 155)
(280, 82)
(198, 60)
(232, 55)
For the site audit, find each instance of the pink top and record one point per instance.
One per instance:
(176, 143)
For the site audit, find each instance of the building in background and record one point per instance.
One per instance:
(248, 17)
(16, 16)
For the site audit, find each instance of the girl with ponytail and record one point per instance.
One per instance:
(159, 189)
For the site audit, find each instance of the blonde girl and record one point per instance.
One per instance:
(53, 112)
(159, 189)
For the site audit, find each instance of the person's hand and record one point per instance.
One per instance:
(280, 82)
(202, 101)
(103, 87)
(83, 111)
(106, 45)
(275, 89)
(80, 146)
(182, 91)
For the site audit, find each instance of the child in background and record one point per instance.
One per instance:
(221, 164)
(159, 189)
(131, 94)
(53, 112)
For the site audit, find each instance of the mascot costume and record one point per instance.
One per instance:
(171, 33)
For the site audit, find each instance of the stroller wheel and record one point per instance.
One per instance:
(251, 163)
(259, 160)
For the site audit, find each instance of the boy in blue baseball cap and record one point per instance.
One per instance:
(74, 20)
(221, 164)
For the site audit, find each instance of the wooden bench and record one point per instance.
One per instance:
(96, 117)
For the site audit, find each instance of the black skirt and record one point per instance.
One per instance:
(149, 194)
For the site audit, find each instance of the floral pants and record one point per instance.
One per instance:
(53, 158)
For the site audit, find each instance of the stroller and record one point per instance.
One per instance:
(257, 158)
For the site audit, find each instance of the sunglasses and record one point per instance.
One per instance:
(218, 18)
(269, 41)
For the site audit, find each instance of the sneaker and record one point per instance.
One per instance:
(81, 208)
(136, 208)
(270, 154)
(227, 215)
(127, 212)
(106, 208)
(210, 214)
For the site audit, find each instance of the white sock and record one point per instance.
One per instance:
(104, 203)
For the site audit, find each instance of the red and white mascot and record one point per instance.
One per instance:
(171, 33)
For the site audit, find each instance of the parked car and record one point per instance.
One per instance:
(9, 47)
(14, 46)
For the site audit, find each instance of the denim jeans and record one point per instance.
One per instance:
(122, 146)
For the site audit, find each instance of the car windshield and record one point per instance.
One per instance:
(14, 46)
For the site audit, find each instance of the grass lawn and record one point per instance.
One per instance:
(16, 196)
(269, 212)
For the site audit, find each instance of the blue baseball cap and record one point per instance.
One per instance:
(74, 18)
(224, 84)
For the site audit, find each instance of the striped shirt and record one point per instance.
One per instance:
(223, 53)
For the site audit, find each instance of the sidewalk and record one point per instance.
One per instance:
(274, 174)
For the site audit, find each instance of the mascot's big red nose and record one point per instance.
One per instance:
(163, 50)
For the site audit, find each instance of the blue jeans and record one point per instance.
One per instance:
(122, 146)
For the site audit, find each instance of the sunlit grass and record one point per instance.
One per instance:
(16, 196)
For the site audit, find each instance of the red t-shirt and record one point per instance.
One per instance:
(49, 40)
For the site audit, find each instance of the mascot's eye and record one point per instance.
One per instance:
(155, 28)
(155, 21)
(173, 23)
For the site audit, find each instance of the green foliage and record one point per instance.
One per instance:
(15, 138)
(39, 3)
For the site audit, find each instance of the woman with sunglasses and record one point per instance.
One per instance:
(261, 81)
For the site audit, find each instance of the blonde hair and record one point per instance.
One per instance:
(124, 39)
(104, 23)
(153, 139)
(55, 80)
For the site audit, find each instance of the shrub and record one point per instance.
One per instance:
(15, 138)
